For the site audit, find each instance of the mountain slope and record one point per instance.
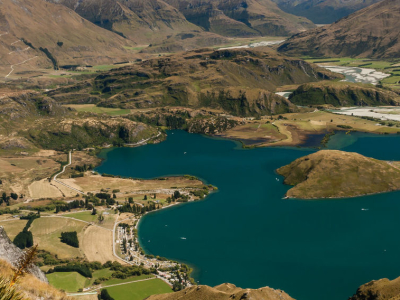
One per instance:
(241, 18)
(323, 11)
(29, 27)
(142, 21)
(338, 174)
(371, 32)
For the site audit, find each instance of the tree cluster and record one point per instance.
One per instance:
(70, 238)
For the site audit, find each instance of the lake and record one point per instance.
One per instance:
(246, 234)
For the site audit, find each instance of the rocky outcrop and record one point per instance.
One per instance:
(224, 291)
(381, 289)
(11, 253)
(370, 32)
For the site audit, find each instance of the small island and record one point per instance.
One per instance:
(338, 174)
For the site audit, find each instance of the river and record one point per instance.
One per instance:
(246, 234)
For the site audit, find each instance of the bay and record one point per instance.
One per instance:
(246, 234)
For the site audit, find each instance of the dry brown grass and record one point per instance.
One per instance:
(47, 232)
(31, 287)
(13, 227)
(95, 183)
(97, 244)
(224, 291)
(337, 174)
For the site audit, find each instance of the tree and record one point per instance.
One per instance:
(104, 295)
(14, 196)
(114, 196)
(145, 197)
(177, 194)
(94, 212)
(57, 209)
(130, 199)
(100, 218)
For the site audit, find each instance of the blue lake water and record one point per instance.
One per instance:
(246, 234)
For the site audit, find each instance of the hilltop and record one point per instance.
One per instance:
(323, 11)
(240, 82)
(224, 291)
(378, 290)
(55, 36)
(338, 174)
(341, 94)
(241, 18)
(371, 32)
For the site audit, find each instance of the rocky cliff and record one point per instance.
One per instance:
(11, 253)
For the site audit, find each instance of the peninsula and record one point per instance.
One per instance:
(338, 174)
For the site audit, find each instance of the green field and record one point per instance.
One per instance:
(135, 278)
(67, 281)
(99, 110)
(139, 290)
(84, 216)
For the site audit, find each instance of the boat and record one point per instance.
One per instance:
(364, 209)
(183, 238)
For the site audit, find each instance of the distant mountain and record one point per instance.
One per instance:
(142, 21)
(40, 34)
(323, 11)
(241, 18)
(371, 32)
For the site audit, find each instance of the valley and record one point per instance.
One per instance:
(159, 149)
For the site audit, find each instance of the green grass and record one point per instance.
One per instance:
(135, 278)
(100, 110)
(67, 281)
(139, 290)
(104, 67)
(84, 216)
(97, 274)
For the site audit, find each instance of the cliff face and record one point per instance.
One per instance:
(11, 253)
(341, 94)
(370, 32)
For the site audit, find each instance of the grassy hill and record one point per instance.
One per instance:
(338, 174)
(378, 290)
(241, 82)
(370, 32)
(340, 94)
